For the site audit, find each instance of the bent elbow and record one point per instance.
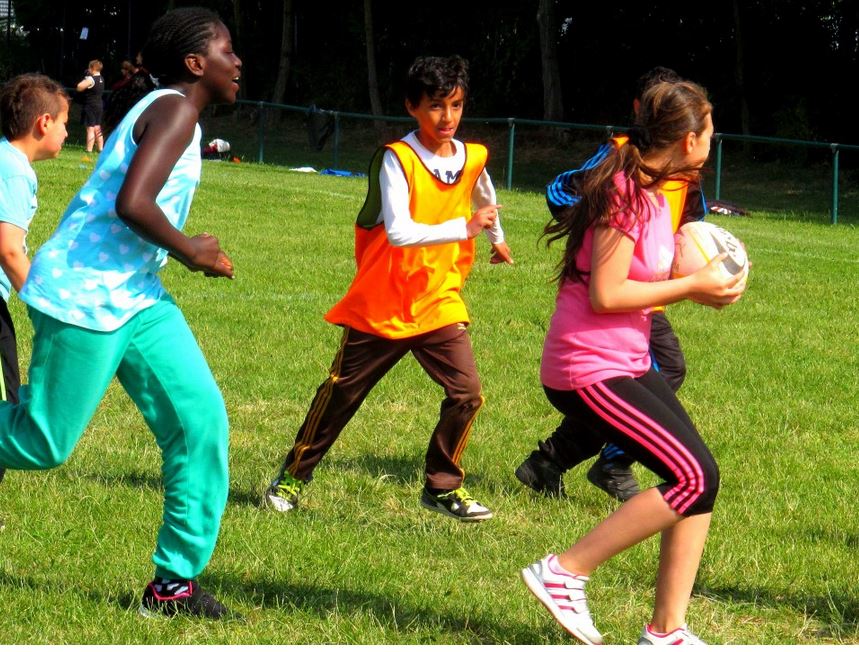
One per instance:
(398, 238)
(9, 255)
(600, 302)
(126, 208)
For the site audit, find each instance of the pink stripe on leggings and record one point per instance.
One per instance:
(653, 437)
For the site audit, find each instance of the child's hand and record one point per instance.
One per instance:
(483, 218)
(207, 257)
(223, 267)
(714, 289)
(501, 254)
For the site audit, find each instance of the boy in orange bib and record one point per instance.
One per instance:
(414, 248)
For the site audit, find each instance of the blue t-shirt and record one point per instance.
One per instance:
(17, 196)
(94, 271)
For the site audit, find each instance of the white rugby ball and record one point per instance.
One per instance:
(697, 243)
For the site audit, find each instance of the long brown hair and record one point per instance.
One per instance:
(668, 112)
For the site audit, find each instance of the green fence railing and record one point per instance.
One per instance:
(511, 125)
(269, 123)
(835, 148)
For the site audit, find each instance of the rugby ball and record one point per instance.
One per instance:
(697, 243)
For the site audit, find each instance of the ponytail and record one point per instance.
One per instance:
(668, 112)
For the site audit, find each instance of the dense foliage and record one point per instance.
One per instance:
(773, 68)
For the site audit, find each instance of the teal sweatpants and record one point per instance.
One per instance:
(158, 362)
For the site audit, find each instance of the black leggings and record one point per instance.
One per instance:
(644, 418)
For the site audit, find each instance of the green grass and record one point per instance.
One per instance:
(772, 385)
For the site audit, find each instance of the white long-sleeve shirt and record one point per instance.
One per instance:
(402, 230)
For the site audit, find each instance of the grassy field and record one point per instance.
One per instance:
(772, 385)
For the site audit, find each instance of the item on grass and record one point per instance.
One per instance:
(341, 173)
(722, 207)
(216, 149)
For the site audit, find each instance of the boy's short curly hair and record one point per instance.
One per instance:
(436, 77)
(24, 98)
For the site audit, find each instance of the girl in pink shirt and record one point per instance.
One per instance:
(596, 367)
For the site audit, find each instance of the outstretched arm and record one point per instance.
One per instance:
(483, 195)
(163, 133)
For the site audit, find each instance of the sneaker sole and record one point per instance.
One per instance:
(535, 586)
(148, 613)
(151, 614)
(465, 519)
(277, 504)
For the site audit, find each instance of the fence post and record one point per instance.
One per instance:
(261, 131)
(718, 165)
(511, 138)
(834, 147)
(336, 140)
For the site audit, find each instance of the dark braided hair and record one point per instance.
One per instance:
(173, 36)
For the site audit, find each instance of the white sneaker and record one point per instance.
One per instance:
(680, 636)
(563, 594)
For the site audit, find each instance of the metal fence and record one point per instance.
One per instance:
(526, 154)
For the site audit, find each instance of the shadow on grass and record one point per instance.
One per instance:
(839, 614)
(399, 469)
(390, 612)
(124, 600)
(137, 479)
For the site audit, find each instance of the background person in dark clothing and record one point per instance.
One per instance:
(91, 88)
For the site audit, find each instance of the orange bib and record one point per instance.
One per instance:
(401, 292)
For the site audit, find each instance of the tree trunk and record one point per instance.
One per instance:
(238, 35)
(372, 77)
(553, 103)
(287, 47)
(739, 74)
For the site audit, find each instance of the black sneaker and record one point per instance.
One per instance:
(616, 480)
(164, 597)
(457, 504)
(542, 475)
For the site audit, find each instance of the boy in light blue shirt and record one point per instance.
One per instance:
(34, 110)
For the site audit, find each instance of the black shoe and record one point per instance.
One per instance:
(164, 597)
(541, 475)
(616, 480)
(457, 504)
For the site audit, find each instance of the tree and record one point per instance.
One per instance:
(553, 103)
(372, 76)
(739, 70)
(287, 47)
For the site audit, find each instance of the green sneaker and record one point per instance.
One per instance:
(282, 495)
(457, 504)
